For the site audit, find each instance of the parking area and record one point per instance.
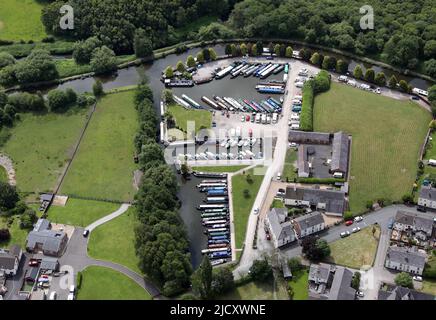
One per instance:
(319, 156)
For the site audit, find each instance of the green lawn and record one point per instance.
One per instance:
(3, 175)
(81, 212)
(431, 151)
(289, 168)
(241, 205)
(40, 145)
(429, 286)
(114, 241)
(21, 20)
(299, 285)
(387, 135)
(277, 204)
(258, 291)
(219, 168)
(18, 236)
(202, 118)
(357, 250)
(100, 283)
(103, 167)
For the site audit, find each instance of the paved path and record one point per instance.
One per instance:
(7, 163)
(109, 217)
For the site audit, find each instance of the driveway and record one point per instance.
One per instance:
(15, 283)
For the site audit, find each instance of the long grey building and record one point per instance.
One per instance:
(340, 153)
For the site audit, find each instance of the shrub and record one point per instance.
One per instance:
(404, 279)
(306, 117)
(348, 216)
(79, 280)
(57, 100)
(261, 270)
(97, 88)
(5, 235)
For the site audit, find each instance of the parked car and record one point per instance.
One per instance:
(391, 223)
(243, 119)
(256, 210)
(345, 234)
(360, 294)
(348, 222)
(358, 219)
(70, 296)
(85, 233)
(53, 295)
(357, 229)
(417, 278)
(33, 263)
(279, 176)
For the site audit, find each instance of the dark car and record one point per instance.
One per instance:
(85, 233)
(391, 223)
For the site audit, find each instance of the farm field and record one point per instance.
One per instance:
(387, 135)
(40, 145)
(100, 283)
(21, 20)
(202, 118)
(81, 213)
(242, 205)
(115, 241)
(357, 250)
(103, 167)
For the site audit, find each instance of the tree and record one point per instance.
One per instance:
(97, 88)
(355, 282)
(277, 50)
(432, 93)
(358, 73)
(404, 280)
(180, 66)
(289, 52)
(316, 59)
(341, 66)
(305, 54)
(103, 60)
(430, 67)
(253, 51)
(246, 193)
(380, 79)
(57, 100)
(82, 51)
(260, 270)
(38, 66)
(244, 49)
(430, 49)
(169, 73)
(190, 61)
(393, 82)
(294, 264)
(71, 96)
(234, 50)
(28, 219)
(407, 198)
(329, 63)
(202, 279)
(167, 96)
(200, 57)
(369, 75)
(222, 281)
(142, 44)
(404, 86)
(6, 59)
(314, 249)
(228, 49)
(206, 54)
(8, 196)
(212, 54)
(5, 235)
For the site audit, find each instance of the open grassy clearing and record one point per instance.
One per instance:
(429, 286)
(386, 138)
(103, 167)
(21, 20)
(242, 205)
(3, 175)
(40, 145)
(114, 241)
(431, 150)
(289, 173)
(219, 168)
(18, 235)
(202, 118)
(299, 284)
(258, 291)
(81, 212)
(100, 283)
(357, 250)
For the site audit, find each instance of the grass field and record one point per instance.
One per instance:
(219, 168)
(3, 175)
(21, 20)
(103, 167)
(258, 291)
(357, 250)
(431, 151)
(202, 118)
(114, 241)
(99, 283)
(429, 286)
(81, 212)
(289, 168)
(299, 285)
(386, 138)
(40, 145)
(18, 236)
(242, 205)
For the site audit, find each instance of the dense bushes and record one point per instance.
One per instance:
(59, 100)
(161, 241)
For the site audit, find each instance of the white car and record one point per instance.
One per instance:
(279, 176)
(256, 211)
(358, 219)
(345, 234)
(293, 145)
(70, 296)
(356, 229)
(417, 278)
(360, 294)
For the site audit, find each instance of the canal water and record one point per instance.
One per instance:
(236, 88)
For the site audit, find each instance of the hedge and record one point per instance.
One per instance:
(320, 181)
(306, 116)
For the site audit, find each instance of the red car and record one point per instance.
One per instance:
(247, 118)
(348, 222)
(33, 263)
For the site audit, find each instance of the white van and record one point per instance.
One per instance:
(274, 118)
(338, 175)
(432, 162)
(279, 176)
(53, 295)
(299, 84)
(295, 126)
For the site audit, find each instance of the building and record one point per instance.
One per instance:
(42, 238)
(302, 162)
(309, 137)
(340, 152)
(427, 197)
(331, 202)
(328, 282)
(419, 226)
(309, 224)
(49, 263)
(10, 260)
(405, 259)
(391, 292)
(280, 228)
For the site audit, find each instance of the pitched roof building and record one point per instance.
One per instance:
(10, 260)
(340, 153)
(309, 137)
(405, 220)
(400, 293)
(427, 197)
(42, 238)
(281, 230)
(405, 259)
(309, 224)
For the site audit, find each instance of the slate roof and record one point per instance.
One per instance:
(335, 200)
(319, 273)
(428, 193)
(303, 165)
(420, 222)
(309, 137)
(401, 293)
(41, 224)
(341, 286)
(46, 197)
(49, 263)
(340, 152)
(406, 256)
(7, 261)
(309, 220)
(279, 227)
(51, 240)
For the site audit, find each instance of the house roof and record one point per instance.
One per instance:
(15, 250)
(309, 137)
(341, 286)
(419, 222)
(406, 256)
(334, 200)
(309, 220)
(428, 193)
(51, 240)
(49, 263)
(41, 224)
(319, 273)
(279, 227)
(400, 293)
(7, 261)
(285, 268)
(340, 152)
(46, 197)
(303, 165)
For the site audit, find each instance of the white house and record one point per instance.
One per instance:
(281, 230)
(421, 226)
(10, 260)
(405, 259)
(427, 197)
(309, 224)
